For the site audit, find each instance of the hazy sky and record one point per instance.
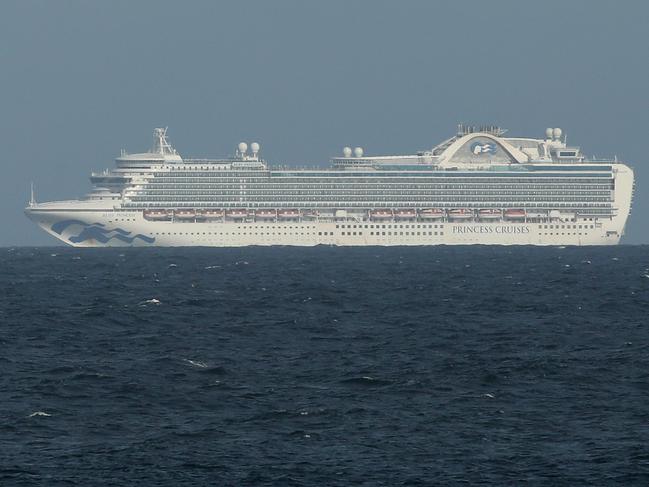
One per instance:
(79, 80)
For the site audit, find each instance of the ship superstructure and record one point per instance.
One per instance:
(477, 187)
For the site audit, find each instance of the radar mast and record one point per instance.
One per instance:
(160, 143)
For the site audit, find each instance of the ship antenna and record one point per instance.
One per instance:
(32, 200)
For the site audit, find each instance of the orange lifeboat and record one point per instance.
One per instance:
(237, 213)
(213, 214)
(431, 213)
(405, 214)
(381, 214)
(460, 213)
(265, 214)
(157, 214)
(288, 213)
(515, 213)
(490, 214)
(188, 214)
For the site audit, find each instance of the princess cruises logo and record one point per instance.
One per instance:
(483, 148)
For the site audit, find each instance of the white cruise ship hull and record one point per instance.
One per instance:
(475, 188)
(131, 229)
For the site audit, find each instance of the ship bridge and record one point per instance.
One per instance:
(161, 153)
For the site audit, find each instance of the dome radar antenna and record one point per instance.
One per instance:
(242, 148)
(254, 147)
(548, 133)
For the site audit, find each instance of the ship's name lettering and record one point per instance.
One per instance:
(508, 229)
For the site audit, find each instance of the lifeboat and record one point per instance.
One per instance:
(431, 213)
(188, 214)
(490, 214)
(288, 213)
(265, 214)
(515, 213)
(310, 214)
(237, 213)
(405, 214)
(381, 214)
(157, 214)
(210, 214)
(460, 213)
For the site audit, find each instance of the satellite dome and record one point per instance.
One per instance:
(347, 151)
(243, 147)
(254, 147)
(557, 133)
(358, 151)
(548, 133)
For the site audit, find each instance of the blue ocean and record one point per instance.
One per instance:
(324, 366)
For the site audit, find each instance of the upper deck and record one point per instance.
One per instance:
(470, 149)
(473, 148)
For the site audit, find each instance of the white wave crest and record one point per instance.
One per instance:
(39, 413)
(197, 363)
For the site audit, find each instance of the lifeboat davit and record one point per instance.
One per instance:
(460, 213)
(237, 213)
(515, 213)
(288, 213)
(431, 213)
(405, 214)
(157, 214)
(265, 214)
(381, 214)
(188, 214)
(490, 214)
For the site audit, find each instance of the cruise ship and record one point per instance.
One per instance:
(477, 187)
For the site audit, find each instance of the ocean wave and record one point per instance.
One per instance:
(366, 381)
(385, 368)
(39, 413)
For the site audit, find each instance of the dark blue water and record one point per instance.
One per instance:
(324, 366)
